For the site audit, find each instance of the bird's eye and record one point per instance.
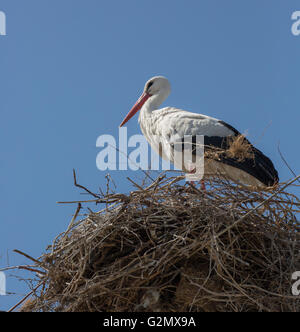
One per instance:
(149, 86)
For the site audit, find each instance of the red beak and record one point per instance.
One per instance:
(138, 105)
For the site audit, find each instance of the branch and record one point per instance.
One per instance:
(24, 298)
(82, 187)
(288, 166)
(27, 256)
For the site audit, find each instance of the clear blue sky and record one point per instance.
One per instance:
(71, 69)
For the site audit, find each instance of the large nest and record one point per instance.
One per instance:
(173, 247)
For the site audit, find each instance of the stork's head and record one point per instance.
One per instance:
(156, 90)
(157, 85)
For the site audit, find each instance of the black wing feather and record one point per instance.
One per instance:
(259, 165)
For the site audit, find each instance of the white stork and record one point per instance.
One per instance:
(171, 125)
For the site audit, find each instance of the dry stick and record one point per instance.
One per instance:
(22, 267)
(135, 184)
(263, 133)
(31, 269)
(98, 201)
(76, 202)
(82, 187)
(73, 219)
(24, 298)
(27, 256)
(286, 163)
(69, 227)
(252, 210)
(155, 183)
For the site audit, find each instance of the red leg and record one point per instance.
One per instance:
(192, 171)
(203, 185)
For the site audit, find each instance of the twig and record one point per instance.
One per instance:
(22, 267)
(27, 256)
(82, 187)
(286, 163)
(76, 202)
(73, 219)
(263, 133)
(135, 184)
(24, 298)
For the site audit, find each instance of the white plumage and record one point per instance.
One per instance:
(169, 125)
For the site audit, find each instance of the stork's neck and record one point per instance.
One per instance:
(153, 103)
